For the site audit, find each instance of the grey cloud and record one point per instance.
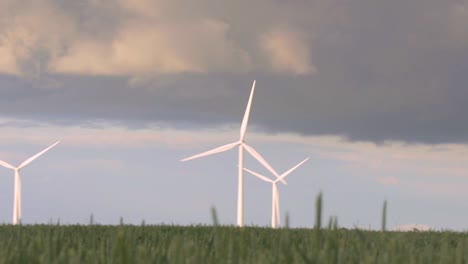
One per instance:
(386, 70)
(120, 37)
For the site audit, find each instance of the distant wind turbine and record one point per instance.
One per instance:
(275, 207)
(241, 144)
(17, 191)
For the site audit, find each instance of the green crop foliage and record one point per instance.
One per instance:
(224, 244)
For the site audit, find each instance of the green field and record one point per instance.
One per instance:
(217, 244)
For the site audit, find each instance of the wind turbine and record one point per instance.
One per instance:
(241, 144)
(275, 208)
(17, 190)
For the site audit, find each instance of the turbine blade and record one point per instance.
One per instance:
(7, 165)
(26, 162)
(260, 159)
(245, 120)
(291, 170)
(259, 175)
(213, 151)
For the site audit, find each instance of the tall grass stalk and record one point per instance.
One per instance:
(335, 223)
(384, 216)
(214, 216)
(318, 211)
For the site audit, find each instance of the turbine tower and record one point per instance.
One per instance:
(275, 207)
(241, 144)
(17, 191)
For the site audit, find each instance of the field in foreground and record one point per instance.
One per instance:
(205, 244)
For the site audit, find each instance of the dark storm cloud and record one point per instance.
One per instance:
(386, 70)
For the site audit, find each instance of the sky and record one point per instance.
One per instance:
(374, 92)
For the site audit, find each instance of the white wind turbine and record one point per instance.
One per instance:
(275, 207)
(241, 144)
(17, 190)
